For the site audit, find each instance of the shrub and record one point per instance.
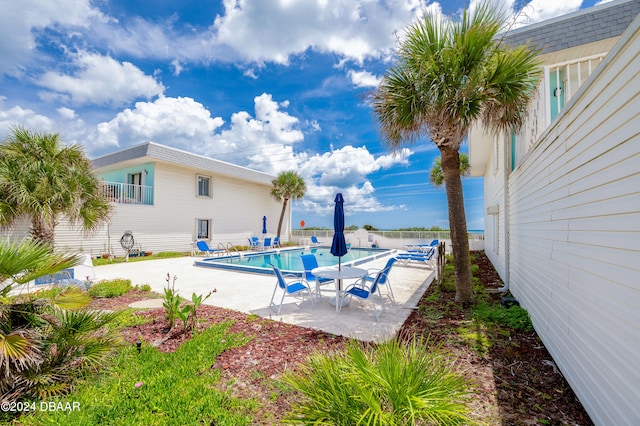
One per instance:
(393, 383)
(129, 318)
(143, 287)
(515, 317)
(110, 288)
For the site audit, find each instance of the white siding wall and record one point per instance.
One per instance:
(236, 210)
(494, 235)
(575, 238)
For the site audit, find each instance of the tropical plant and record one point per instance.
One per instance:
(24, 261)
(393, 383)
(288, 185)
(110, 288)
(42, 180)
(436, 177)
(174, 309)
(45, 340)
(448, 75)
(197, 300)
(172, 301)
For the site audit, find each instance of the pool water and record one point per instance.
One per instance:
(288, 260)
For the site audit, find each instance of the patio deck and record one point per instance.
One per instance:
(251, 293)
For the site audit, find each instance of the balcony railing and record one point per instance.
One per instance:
(559, 84)
(125, 193)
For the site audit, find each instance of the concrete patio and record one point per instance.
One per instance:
(251, 293)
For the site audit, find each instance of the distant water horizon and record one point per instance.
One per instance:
(471, 231)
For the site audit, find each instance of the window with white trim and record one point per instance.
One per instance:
(203, 186)
(203, 229)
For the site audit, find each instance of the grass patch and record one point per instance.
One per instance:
(476, 335)
(110, 288)
(515, 317)
(129, 318)
(154, 388)
(486, 322)
(161, 255)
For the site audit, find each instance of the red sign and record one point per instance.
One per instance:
(302, 224)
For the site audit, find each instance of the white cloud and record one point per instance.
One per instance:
(540, 10)
(20, 22)
(26, 118)
(363, 79)
(101, 80)
(67, 113)
(273, 30)
(179, 122)
(349, 165)
(345, 170)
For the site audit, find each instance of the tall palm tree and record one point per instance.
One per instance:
(436, 177)
(42, 180)
(288, 185)
(449, 74)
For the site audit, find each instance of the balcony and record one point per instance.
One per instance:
(559, 84)
(125, 193)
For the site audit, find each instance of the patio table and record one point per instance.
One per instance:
(337, 276)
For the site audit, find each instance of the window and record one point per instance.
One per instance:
(203, 228)
(204, 186)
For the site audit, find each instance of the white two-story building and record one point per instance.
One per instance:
(562, 203)
(168, 199)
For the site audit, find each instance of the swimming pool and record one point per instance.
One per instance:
(288, 260)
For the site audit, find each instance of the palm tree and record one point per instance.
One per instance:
(436, 177)
(448, 75)
(45, 342)
(288, 185)
(42, 180)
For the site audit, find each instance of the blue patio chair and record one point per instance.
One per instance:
(267, 243)
(203, 247)
(276, 242)
(293, 287)
(427, 258)
(361, 290)
(384, 279)
(314, 240)
(254, 243)
(310, 262)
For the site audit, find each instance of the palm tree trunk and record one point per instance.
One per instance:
(42, 231)
(284, 208)
(457, 223)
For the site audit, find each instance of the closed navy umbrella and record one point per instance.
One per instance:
(339, 245)
(264, 224)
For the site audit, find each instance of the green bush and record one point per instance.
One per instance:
(143, 287)
(129, 318)
(393, 383)
(515, 317)
(110, 288)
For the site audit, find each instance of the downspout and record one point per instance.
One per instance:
(506, 166)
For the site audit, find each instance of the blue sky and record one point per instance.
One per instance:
(269, 84)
